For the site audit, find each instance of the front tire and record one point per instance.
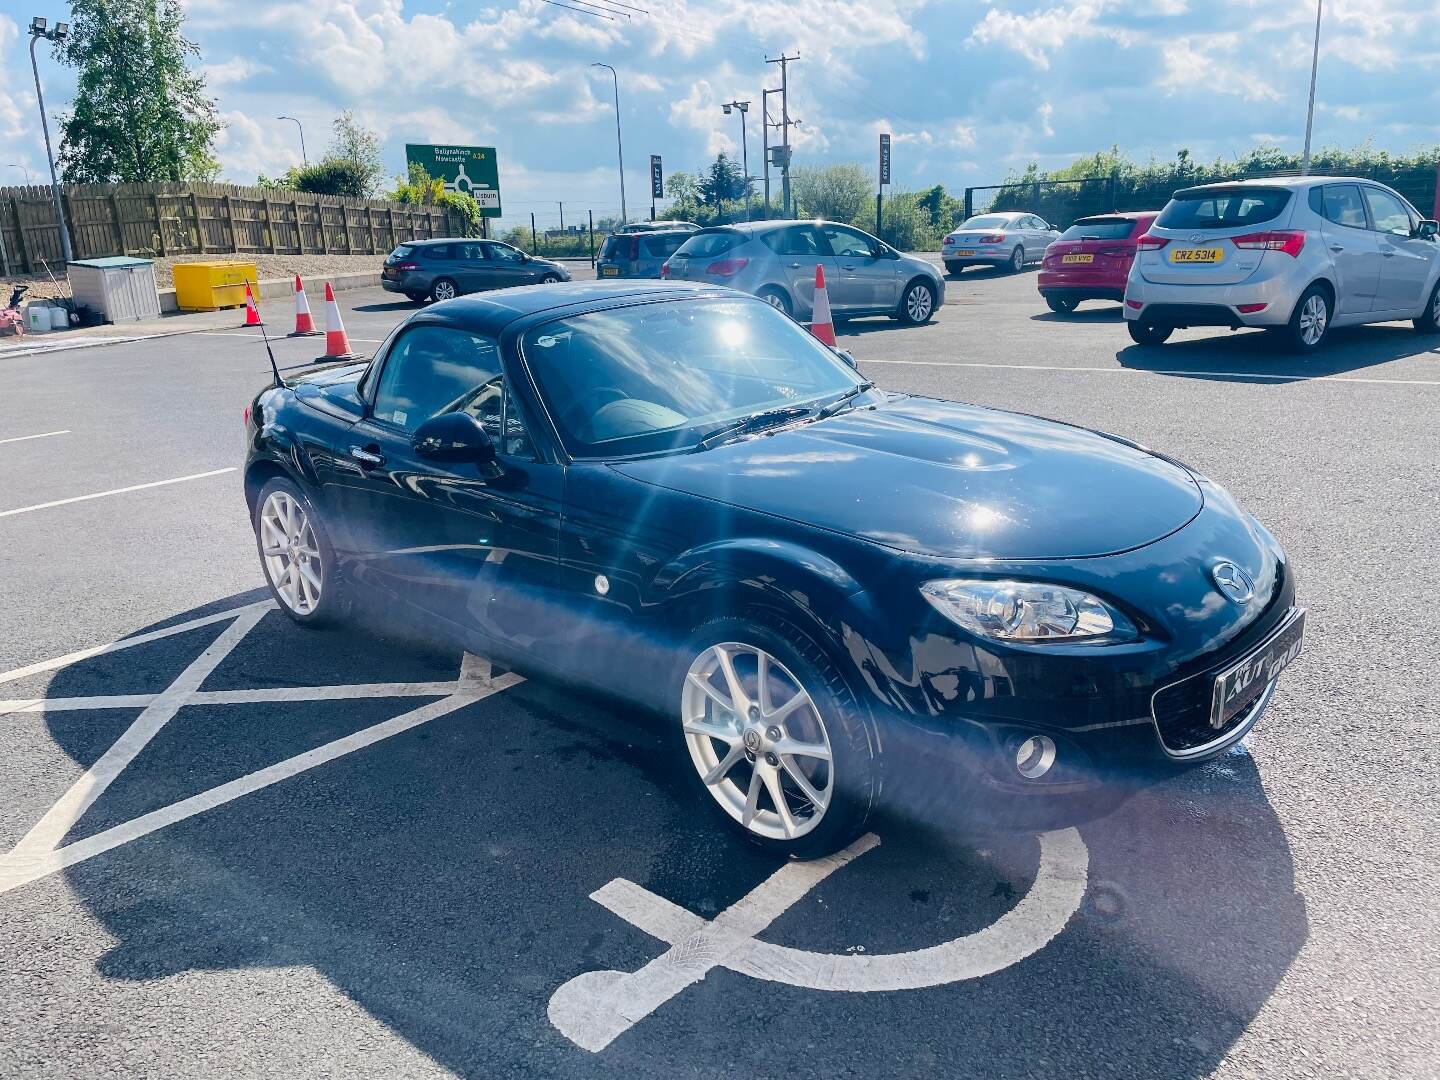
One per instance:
(1017, 259)
(550, 279)
(1061, 305)
(917, 305)
(1310, 323)
(296, 555)
(1429, 323)
(1147, 334)
(775, 741)
(443, 289)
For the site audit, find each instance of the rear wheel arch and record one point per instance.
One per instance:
(260, 473)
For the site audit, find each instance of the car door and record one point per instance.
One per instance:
(475, 546)
(867, 279)
(800, 249)
(1405, 259)
(508, 265)
(473, 272)
(1354, 246)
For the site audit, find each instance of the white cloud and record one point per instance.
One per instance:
(1209, 65)
(1036, 37)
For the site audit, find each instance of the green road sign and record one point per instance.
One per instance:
(472, 170)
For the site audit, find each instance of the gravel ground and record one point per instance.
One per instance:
(267, 266)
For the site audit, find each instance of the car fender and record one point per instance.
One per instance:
(276, 449)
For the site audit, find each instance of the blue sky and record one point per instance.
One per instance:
(969, 89)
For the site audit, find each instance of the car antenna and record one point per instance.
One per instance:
(274, 367)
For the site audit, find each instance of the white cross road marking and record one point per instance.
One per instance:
(595, 1008)
(39, 854)
(115, 491)
(27, 438)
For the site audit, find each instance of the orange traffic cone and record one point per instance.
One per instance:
(304, 324)
(252, 312)
(337, 344)
(821, 324)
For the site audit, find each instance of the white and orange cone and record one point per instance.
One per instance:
(252, 311)
(304, 324)
(822, 325)
(337, 344)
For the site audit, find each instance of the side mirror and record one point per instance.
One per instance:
(846, 355)
(1427, 229)
(455, 438)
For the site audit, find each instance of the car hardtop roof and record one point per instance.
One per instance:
(1279, 182)
(1128, 215)
(1004, 213)
(771, 225)
(436, 240)
(491, 312)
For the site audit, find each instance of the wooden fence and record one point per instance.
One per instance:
(156, 220)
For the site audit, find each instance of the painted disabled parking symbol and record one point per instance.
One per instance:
(594, 1009)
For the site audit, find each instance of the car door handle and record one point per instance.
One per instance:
(847, 268)
(1389, 253)
(368, 459)
(796, 266)
(1337, 248)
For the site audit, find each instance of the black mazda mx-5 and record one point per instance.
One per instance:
(678, 495)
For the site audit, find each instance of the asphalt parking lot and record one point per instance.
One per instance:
(236, 847)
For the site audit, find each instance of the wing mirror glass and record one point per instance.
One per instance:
(1427, 229)
(455, 438)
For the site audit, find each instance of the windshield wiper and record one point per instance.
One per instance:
(754, 422)
(840, 402)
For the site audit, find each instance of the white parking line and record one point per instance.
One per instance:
(1277, 377)
(114, 491)
(26, 438)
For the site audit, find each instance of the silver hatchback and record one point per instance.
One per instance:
(776, 261)
(1296, 255)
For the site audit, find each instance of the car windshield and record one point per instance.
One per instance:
(662, 376)
(1099, 229)
(1222, 208)
(704, 245)
(988, 221)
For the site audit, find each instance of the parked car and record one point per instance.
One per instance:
(1007, 239)
(658, 226)
(680, 496)
(1295, 255)
(1091, 260)
(638, 254)
(442, 269)
(776, 260)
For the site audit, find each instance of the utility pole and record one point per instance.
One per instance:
(765, 127)
(562, 217)
(785, 122)
(742, 107)
(1310, 112)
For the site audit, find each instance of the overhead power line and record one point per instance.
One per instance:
(580, 10)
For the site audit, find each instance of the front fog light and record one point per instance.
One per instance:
(1024, 610)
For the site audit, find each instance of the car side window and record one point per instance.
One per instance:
(503, 253)
(439, 251)
(798, 240)
(1388, 212)
(470, 252)
(846, 242)
(431, 370)
(1341, 204)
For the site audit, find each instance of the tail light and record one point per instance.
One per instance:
(994, 238)
(665, 269)
(1135, 304)
(950, 239)
(1251, 309)
(634, 248)
(1151, 243)
(407, 266)
(1288, 240)
(1115, 253)
(246, 414)
(727, 267)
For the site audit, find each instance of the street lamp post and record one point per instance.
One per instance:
(23, 168)
(742, 107)
(304, 158)
(619, 143)
(58, 35)
(1310, 112)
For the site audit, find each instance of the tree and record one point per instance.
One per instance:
(724, 181)
(835, 192)
(357, 145)
(140, 114)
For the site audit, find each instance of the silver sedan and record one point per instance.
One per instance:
(1009, 239)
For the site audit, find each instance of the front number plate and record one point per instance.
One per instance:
(1242, 684)
(609, 271)
(1196, 255)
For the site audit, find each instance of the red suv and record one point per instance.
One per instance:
(1091, 260)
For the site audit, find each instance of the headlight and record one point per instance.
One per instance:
(1024, 610)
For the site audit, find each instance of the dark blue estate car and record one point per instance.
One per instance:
(678, 495)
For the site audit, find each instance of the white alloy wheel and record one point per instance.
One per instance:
(1314, 317)
(444, 289)
(919, 302)
(290, 552)
(757, 740)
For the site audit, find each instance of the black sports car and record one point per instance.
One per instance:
(678, 495)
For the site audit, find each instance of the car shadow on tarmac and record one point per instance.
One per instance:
(394, 305)
(441, 878)
(1110, 313)
(1255, 356)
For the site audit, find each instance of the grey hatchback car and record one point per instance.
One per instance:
(441, 269)
(639, 253)
(776, 260)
